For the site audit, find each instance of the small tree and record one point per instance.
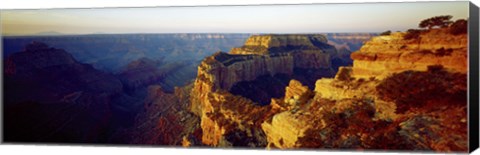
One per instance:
(386, 33)
(459, 27)
(439, 21)
(412, 34)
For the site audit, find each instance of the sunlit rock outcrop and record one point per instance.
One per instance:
(227, 119)
(389, 99)
(394, 96)
(384, 55)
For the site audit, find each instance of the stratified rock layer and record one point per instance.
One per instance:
(395, 96)
(384, 55)
(229, 120)
(225, 70)
(51, 97)
(400, 94)
(166, 120)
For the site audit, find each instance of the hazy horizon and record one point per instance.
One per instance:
(54, 33)
(315, 18)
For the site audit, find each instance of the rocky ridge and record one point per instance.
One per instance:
(363, 107)
(247, 63)
(144, 72)
(230, 120)
(166, 120)
(391, 103)
(384, 55)
(52, 97)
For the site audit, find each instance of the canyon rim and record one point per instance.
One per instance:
(397, 88)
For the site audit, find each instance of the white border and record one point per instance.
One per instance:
(37, 4)
(82, 150)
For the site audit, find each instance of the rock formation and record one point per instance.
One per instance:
(270, 44)
(226, 119)
(111, 52)
(384, 55)
(141, 72)
(277, 54)
(349, 41)
(166, 119)
(395, 96)
(144, 72)
(55, 72)
(400, 94)
(51, 97)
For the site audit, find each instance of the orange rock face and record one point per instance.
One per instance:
(400, 94)
(394, 97)
(227, 119)
(384, 55)
(260, 44)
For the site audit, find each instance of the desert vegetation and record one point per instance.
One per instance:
(460, 26)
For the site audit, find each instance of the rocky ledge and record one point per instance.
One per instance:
(401, 94)
(268, 55)
(384, 55)
(228, 119)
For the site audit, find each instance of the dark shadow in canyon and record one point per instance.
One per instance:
(264, 88)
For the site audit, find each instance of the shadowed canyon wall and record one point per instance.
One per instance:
(400, 94)
(262, 55)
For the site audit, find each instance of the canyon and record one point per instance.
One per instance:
(58, 83)
(392, 103)
(113, 52)
(437, 47)
(400, 94)
(262, 56)
(52, 97)
(274, 91)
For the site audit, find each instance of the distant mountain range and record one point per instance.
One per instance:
(49, 33)
(45, 33)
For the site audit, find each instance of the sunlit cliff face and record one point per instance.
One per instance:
(260, 56)
(386, 54)
(364, 106)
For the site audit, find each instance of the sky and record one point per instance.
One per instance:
(318, 18)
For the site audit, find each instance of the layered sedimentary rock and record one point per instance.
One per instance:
(384, 55)
(284, 135)
(111, 52)
(395, 96)
(166, 119)
(265, 55)
(51, 97)
(144, 72)
(296, 92)
(41, 65)
(39, 55)
(226, 119)
(141, 72)
(390, 104)
(267, 44)
(349, 41)
(226, 70)
(279, 133)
